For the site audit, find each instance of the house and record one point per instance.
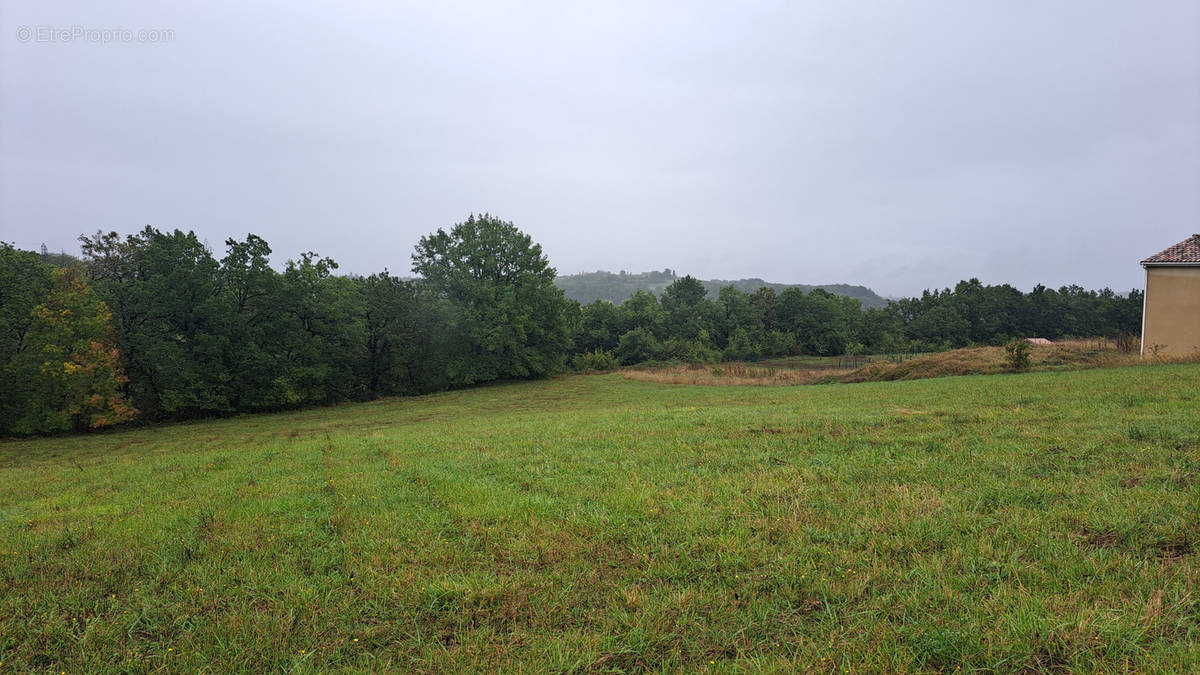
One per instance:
(1171, 313)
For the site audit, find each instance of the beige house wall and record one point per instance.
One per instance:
(1172, 316)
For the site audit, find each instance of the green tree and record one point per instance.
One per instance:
(880, 330)
(393, 332)
(642, 310)
(765, 302)
(823, 328)
(739, 311)
(684, 292)
(513, 318)
(321, 333)
(163, 288)
(249, 293)
(817, 320)
(24, 284)
(598, 329)
(688, 314)
(942, 327)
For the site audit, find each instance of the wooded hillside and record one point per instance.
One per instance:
(617, 287)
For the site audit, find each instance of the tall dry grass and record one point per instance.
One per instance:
(735, 374)
(1065, 355)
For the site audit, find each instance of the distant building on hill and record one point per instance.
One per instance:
(1171, 315)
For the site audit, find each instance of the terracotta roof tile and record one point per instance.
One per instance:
(1186, 251)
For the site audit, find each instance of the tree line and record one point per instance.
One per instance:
(684, 325)
(154, 326)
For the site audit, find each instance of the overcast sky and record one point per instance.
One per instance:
(900, 145)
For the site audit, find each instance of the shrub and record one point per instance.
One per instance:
(693, 351)
(741, 347)
(778, 342)
(638, 346)
(1016, 353)
(599, 359)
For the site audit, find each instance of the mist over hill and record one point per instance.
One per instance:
(616, 287)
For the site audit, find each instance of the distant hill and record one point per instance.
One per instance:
(59, 259)
(617, 287)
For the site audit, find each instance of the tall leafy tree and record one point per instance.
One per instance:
(599, 327)
(321, 336)
(688, 314)
(738, 310)
(513, 319)
(818, 320)
(642, 310)
(24, 284)
(397, 335)
(249, 297)
(684, 292)
(163, 287)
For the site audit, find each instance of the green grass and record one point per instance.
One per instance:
(1044, 522)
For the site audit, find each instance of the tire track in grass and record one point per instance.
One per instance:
(575, 566)
(331, 525)
(396, 547)
(431, 586)
(280, 571)
(311, 592)
(421, 593)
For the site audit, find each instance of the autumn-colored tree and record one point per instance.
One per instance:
(73, 361)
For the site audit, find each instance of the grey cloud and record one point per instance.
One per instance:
(898, 145)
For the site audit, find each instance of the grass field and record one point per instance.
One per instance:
(1038, 522)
